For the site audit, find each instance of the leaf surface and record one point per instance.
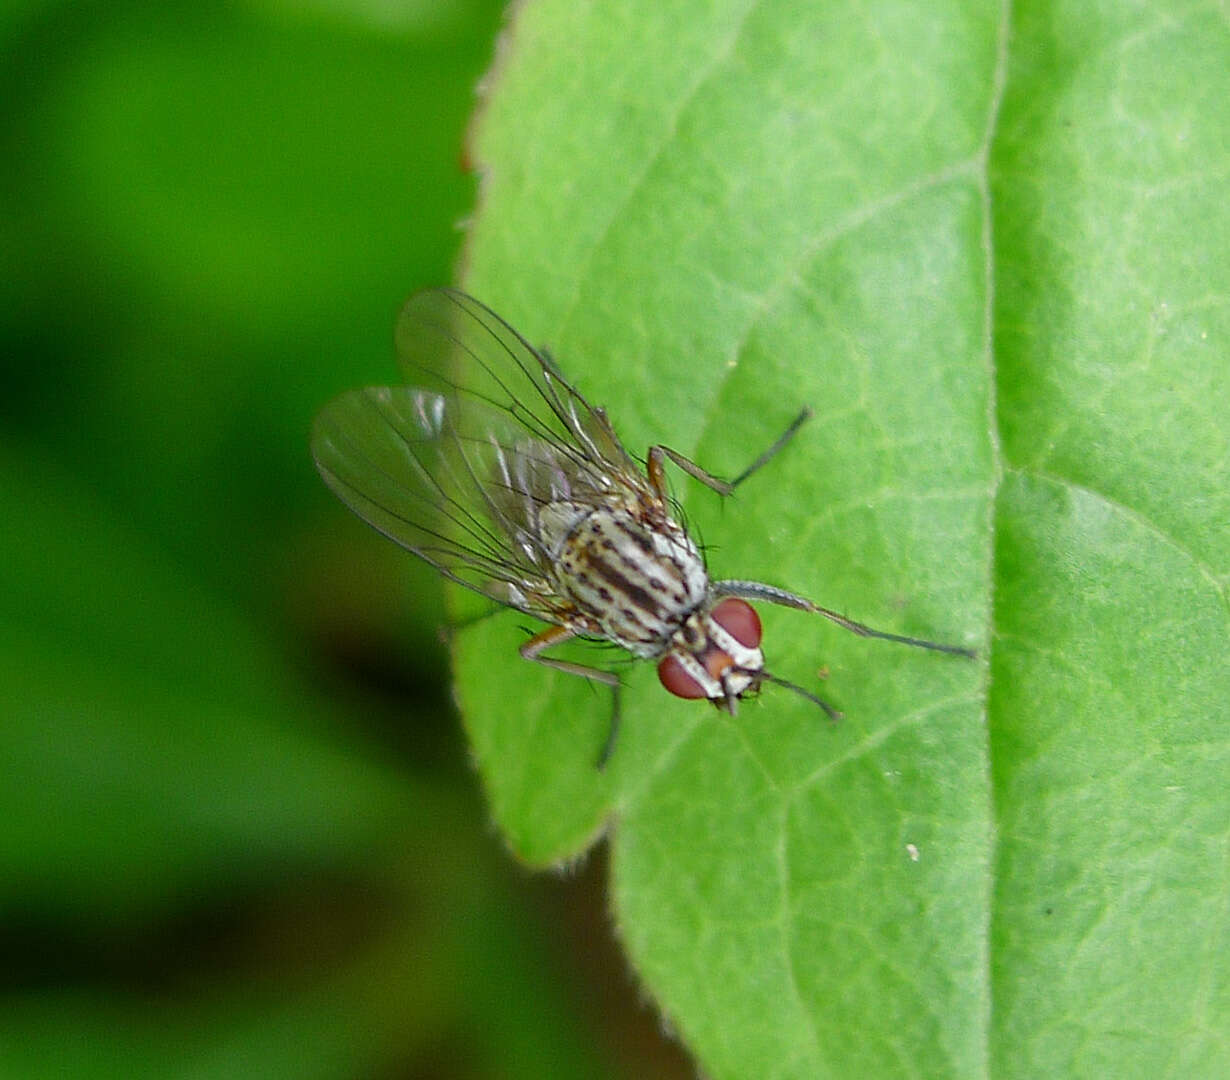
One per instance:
(988, 248)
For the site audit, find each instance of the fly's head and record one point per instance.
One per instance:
(715, 654)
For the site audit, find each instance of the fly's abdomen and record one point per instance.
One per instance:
(639, 583)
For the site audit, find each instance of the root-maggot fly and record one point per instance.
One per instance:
(494, 469)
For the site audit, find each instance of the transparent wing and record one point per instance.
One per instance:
(451, 343)
(384, 451)
(457, 468)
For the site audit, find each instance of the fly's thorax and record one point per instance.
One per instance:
(638, 578)
(715, 654)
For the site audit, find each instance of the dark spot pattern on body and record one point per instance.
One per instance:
(631, 590)
(635, 535)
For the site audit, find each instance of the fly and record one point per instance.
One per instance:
(492, 467)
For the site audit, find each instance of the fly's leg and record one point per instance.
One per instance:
(778, 444)
(446, 632)
(659, 454)
(557, 635)
(829, 711)
(755, 590)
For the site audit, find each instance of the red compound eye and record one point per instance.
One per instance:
(739, 619)
(674, 676)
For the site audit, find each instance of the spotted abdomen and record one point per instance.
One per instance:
(638, 583)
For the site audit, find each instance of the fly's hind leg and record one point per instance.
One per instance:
(557, 635)
(659, 454)
(447, 632)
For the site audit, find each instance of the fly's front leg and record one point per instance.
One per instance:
(755, 590)
(659, 454)
(557, 635)
(657, 472)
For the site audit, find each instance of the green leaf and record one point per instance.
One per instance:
(989, 250)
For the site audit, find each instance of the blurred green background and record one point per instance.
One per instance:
(238, 832)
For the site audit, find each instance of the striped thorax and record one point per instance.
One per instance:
(638, 583)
